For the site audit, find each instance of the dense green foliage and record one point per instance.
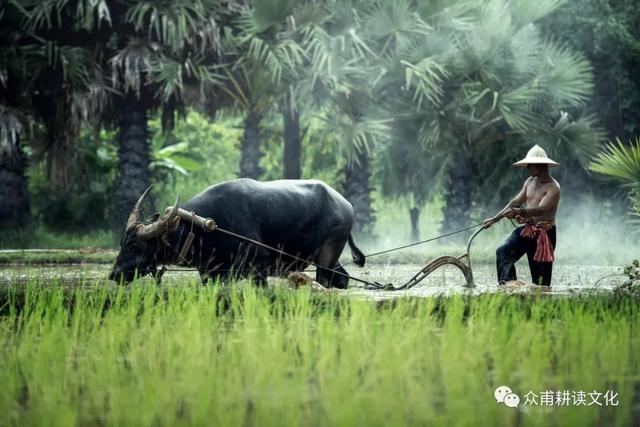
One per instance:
(386, 79)
(621, 162)
(607, 32)
(192, 355)
(428, 103)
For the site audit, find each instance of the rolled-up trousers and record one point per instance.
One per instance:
(512, 250)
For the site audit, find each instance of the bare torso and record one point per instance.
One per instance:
(535, 191)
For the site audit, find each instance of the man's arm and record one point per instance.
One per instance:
(547, 203)
(519, 199)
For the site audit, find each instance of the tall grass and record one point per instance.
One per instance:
(185, 355)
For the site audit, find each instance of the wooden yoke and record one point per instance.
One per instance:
(207, 224)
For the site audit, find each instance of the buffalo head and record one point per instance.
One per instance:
(140, 243)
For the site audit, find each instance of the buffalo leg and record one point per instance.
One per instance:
(254, 264)
(335, 280)
(328, 257)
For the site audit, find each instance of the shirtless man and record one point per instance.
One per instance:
(537, 238)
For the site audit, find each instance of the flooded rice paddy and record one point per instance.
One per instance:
(567, 279)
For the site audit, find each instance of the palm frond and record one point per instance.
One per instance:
(47, 14)
(495, 21)
(526, 51)
(393, 25)
(10, 130)
(450, 16)
(320, 49)
(355, 130)
(93, 13)
(619, 161)
(178, 24)
(515, 107)
(429, 134)
(526, 11)
(426, 79)
(283, 56)
(87, 102)
(565, 75)
(581, 137)
(268, 13)
(132, 62)
(439, 44)
(187, 80)
(41, 14)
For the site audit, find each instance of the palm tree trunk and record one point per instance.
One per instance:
(292, 145)
(414, 214)
(133, 175)
(250, 149)
(459, 195)
(14, 194)
(358, 192)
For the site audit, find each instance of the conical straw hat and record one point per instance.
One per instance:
(536, 156)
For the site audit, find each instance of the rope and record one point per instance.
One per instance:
(255, 242)
(418, 243)
(348, 276)
(375, 285)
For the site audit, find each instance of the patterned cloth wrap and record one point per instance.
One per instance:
(544, 249)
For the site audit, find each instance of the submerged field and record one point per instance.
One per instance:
(184, 355)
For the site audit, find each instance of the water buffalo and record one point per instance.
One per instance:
(306, 218)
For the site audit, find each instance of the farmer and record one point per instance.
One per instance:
(535, 207)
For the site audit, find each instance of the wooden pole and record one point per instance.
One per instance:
(207, 224)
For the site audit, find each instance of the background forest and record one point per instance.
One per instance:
(415, 110)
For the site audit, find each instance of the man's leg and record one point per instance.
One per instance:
(508, 254)
(541, 271)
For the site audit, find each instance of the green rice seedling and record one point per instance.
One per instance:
(184, 354)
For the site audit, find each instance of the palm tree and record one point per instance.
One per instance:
(621, 163)
(508, 84)
(338, 83)
(250, 88)
(42, 82)
(292, 139)
(406, 79)
(409, 172)
(476, 73)
(14, 200)
(267, 64)
(166, 57)
(147, 55)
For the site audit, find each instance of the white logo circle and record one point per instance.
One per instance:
(501, 392)
(512, 400)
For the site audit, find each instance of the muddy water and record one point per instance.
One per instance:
(567, 279)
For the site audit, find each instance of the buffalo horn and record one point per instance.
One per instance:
(160, 226)
(135, 217)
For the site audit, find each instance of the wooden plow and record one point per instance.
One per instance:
(463, 262)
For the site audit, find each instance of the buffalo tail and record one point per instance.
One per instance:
(356, 254)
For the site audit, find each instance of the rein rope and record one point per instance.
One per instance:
(418, 243)
(193, 219)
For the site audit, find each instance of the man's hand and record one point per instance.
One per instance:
(489, 222)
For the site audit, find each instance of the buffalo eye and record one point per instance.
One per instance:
(134, 244)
